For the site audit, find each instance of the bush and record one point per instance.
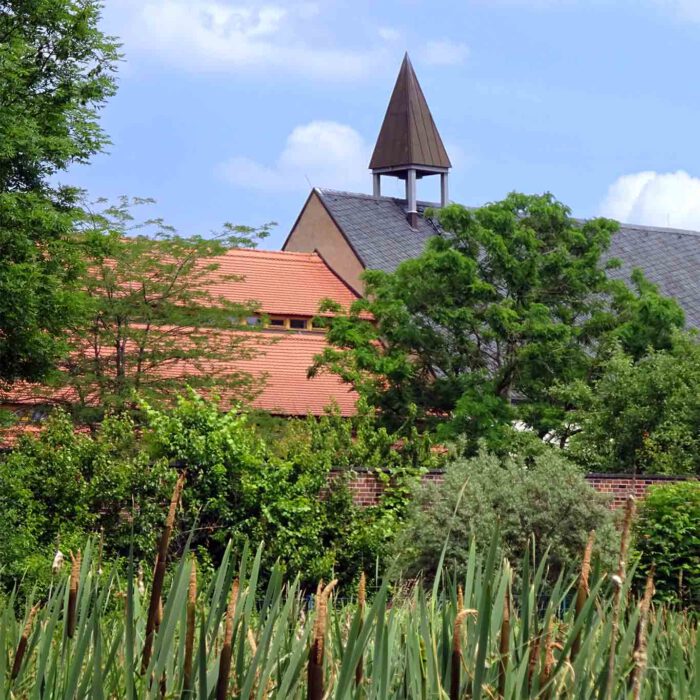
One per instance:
(543, 495)
(243, 487)
(668, 538)
(243, 483)
(57, 489)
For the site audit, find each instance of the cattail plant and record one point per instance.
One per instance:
(640, 643)
(315, 667)
(73, 593)
(456, 664)
(361, 600)
(159, 574)
(548, 661)
(583, 590)
(252, 640)
(618, 581)
(504, 645)
(23, 641)
(189, 632)
(227, 649)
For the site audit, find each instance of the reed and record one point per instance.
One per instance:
(23, 641)
(229, 635)
(640, 643)
(190, 629)
(227, 648)
(361, 602)
(73, 594)
(159, 574)
(583, 589)
(618, 581)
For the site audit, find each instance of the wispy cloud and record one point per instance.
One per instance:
(655, 199)
(243, 35)
(683, 9)
(444, 52)
(320, 153)
(389, 33)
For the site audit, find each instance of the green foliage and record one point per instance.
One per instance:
(154, 321)
(667, 534)
(544, 496)
(410, 645)
(514, 298)
(242, 483)
(642, 417)
(56, 72)
(63, 486)
(244, 487)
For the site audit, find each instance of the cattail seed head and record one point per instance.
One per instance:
(73, 593)
(362, 591)
(23, 641)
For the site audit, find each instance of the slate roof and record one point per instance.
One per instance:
(377, 229)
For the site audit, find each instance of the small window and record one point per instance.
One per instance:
(253, 321)
(297, 324)
(38, 414)
(277, 322)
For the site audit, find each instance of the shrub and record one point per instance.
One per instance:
(58, 488)
(244, 487)
(542, 496)
(243, 483)
(668, 538)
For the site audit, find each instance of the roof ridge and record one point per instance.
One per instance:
(384, 197)
(274, 253)
(661, 229)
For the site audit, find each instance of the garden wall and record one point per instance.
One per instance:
(366, 488)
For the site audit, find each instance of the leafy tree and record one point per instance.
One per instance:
(667, 537)
(243, 487)
(513, 298)
(154, 319)
(56, 72)
(641, 417)
(543, 496)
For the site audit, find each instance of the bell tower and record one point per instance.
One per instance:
(409, 146)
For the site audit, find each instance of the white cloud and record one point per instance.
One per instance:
(321, 153)
(684, 9)
(389, 33)
(237, 35)
(655, 199)
(444, 53)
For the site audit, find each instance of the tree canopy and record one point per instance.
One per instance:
(644, 416)
(154, 319)
(513, 298)
(56, 72)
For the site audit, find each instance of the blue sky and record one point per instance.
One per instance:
(228, 109)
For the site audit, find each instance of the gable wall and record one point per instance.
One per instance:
(316, 230)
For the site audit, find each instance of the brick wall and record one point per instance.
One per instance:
(366, 488)
(619, 486)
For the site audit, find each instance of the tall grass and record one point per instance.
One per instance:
(239, 639)
(482, 636)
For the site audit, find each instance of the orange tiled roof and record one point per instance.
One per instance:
(280, 360)
(284, 283)
(287, 390)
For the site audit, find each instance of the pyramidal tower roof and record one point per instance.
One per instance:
(408, 136)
